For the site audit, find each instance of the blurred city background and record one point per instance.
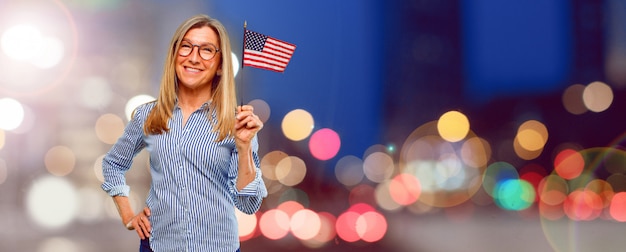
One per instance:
(410, 125)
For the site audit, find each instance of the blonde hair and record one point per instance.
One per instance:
(223, 95)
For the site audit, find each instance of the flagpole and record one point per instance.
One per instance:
(243, 48)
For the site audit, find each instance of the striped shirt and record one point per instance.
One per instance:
(193, 192)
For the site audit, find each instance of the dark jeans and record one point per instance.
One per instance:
(145, 246)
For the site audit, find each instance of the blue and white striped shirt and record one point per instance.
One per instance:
(193, 191)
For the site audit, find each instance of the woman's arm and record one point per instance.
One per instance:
(139, 222)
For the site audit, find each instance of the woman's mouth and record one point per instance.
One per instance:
(191, 69)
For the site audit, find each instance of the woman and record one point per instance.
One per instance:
(203, 149)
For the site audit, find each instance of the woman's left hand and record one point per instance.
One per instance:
(247, 125)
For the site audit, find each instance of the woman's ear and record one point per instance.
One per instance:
(219, 72)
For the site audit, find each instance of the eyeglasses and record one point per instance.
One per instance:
(207, 52)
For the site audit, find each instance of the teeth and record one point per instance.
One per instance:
(192, 69)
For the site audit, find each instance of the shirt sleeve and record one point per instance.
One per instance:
(119, 159)
(249, 199)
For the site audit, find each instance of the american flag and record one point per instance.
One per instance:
(265, 52)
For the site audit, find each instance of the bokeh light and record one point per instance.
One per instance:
(618, 207)
(305, 224)
(383, 197)
(97, 168)
(371, 226)
(50, 53)
(378, 166)
(2, 138)
(290, 171)
(324, 144)
(514, 194)
(361, 222)
(497, 173)
(55, 244)
(601, 188)
(445, 179)
(582, 205)
(4, 171)
(109, 128)
(274, 224)
(573, 99)
(405, 189)
(135, 101)
(532, 135)
(326, 231)
(11, 114)
(349, 170)
(533, 174)
(553, 190)
(297, 124)
(236, 63)
(261, 109)
(22, 42)
(598, 96)
(346, 226)
(476, 152)
(52, 202)
(569, 164)
(269, 162)
(60, 160)
(530, 139)
(95, 93)
(247, 223)
(29, 121)
(453, 126)
(40, 42)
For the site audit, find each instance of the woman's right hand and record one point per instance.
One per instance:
(141, 223)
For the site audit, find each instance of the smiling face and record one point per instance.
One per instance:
(194, 72)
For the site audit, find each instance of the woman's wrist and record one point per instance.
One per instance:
(129, 223)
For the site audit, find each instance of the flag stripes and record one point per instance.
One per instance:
(265, 52)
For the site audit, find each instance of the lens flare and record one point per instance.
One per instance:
(21, 42)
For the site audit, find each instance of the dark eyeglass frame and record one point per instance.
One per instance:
(181, 51)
